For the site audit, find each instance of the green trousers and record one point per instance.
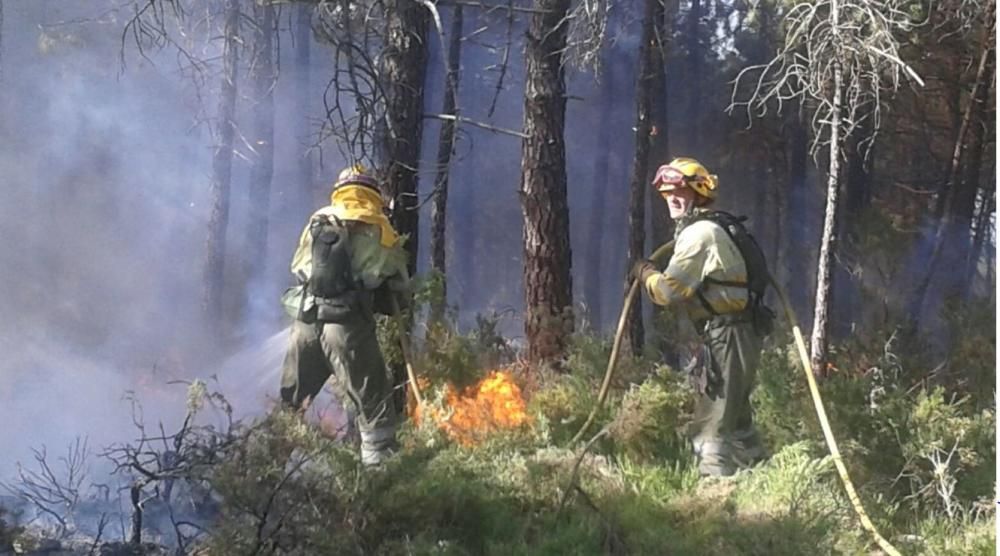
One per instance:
(349, 351)
(722, 430)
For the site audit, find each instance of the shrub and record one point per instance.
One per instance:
(651, 418)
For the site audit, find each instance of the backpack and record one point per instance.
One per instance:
(331, 281)
(758, 277)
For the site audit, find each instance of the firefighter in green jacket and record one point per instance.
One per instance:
(348, 261)
(707, 278)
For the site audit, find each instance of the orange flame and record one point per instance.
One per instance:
(493, 404)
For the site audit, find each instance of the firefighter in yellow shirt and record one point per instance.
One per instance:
(714, 277)
(349, 259)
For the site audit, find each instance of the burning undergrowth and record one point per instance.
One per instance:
(471, 414)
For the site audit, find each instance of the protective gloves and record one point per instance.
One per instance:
(643, 269)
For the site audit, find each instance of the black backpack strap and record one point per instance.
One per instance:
(729, 283)
(699, 293)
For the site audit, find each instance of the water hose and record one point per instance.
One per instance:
(665, 249)
(800, 343)
(831, 442)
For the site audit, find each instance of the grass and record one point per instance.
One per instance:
(638, 491)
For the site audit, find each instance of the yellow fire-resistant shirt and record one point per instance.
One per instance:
(703, 249)
(371, 262)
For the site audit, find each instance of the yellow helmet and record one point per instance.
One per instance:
(356, 174)
(686, 172)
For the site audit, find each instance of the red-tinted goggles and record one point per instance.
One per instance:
(669, 176)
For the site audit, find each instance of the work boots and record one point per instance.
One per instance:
(719, 457)
(378, 445)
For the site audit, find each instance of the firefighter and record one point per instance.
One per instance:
(348, 261)
(715, 277)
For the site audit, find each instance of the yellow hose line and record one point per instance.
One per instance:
(663, 250)
(831, 442)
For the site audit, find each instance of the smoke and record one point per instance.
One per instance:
(103, 215)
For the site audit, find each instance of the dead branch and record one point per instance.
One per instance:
(509, 7)
(51, 493)
(474, 123)
(862, 43)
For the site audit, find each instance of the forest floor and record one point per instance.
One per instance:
(492, 470)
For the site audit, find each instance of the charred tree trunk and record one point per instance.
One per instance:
(661, 226)
(404, 69)
(262, 170)
(222, 162)
(981, 223)
(822, 307)
(981, 230)
(967, 223)
(302, 198)
(649, 70)
(547, 259)
(135, 530)
(446, 146)
(945, 223)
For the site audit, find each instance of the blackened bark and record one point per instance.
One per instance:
(968, 228)
(661, 226)
(404, 70)
(648, 70)
(980, 232)
(446, 146)
(135, 530)
(262, 170)
(222, 162)
(547, 259)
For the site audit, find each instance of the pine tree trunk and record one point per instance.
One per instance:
(980, 232)
(547, 259)
(446, 145)
(822, 307)
(965, 197)
(404, 69)
(945, 222)
(661, 227)
(302, 198)
(262, 171)
(646, 74)
(222, 161)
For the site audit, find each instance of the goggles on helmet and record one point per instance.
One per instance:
(669, 178)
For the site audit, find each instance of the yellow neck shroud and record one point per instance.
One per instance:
(356, 202)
